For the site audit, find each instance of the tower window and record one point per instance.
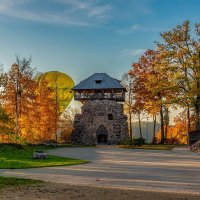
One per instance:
(98, 81)
(110, 116)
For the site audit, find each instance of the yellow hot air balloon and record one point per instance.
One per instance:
(61, 85)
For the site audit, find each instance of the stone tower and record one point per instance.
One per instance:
(102, 120)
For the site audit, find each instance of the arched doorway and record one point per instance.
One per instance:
(102, 135)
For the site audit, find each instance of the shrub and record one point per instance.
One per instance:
(134, 142)
(171, 141)
(138, 141)
(65, 134)
(11, 146)
(128, 142)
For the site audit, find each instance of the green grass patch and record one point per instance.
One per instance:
(152, 147)
(17, 157)
(9, 181)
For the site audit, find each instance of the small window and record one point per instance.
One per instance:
(98, 81)
(110, 117)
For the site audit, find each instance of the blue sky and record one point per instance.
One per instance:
(83, 37)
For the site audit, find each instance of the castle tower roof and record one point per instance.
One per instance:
(99, 81)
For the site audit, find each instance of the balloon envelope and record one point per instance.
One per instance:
(61, 85)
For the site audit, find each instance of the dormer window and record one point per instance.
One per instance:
(98, 81)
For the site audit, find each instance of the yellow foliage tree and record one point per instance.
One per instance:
(60, 85)
(30, 106)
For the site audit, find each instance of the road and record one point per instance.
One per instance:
(151, 170)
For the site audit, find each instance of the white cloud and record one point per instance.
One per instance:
(89, 8)
(48, 18)
(8, 4)
(100, 11)
(128, 30)
(133, 52)
(75, 3)
(134, 27)
(74, 12)
(140, 28)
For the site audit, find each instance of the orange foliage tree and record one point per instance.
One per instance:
(18, 89)
(177, 133)
(151, 86)
(28, 105)
(37, 124)
(171, 76)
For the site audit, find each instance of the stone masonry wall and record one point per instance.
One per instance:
(95, 114)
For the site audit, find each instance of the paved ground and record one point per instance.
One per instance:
(151, 170)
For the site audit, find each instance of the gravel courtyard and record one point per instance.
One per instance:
(176, 171)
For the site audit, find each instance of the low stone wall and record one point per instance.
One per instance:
(195, 147)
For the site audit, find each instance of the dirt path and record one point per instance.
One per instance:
(59, 191)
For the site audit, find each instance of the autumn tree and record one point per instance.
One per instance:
(38, 124)
(177, 133)
(127, 82)
(34, 106)
(138, 110)
(152, 109)
(56, 94)
(2, 78)
(6, 123)
(60, 85)
(66, 124)
(181, 53)
(18, 89)
(152, 86)
(30, 106)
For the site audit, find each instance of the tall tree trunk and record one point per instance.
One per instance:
(197, 111)
(197, 105)
(140, 127)
(17, 103)
(17, 116)
(162, 125)
(154, 129)
(56, 107)
(166, 131)
(166, 121)
(129, 110)
(188, 124)
(130, 123)
(188, 119)
(56, 124)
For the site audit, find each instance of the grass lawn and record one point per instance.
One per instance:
(7, 181)
(12, 157)
(152, 147)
